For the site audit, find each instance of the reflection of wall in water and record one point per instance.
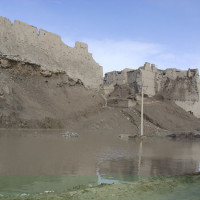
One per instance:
(121, 166)
(149, 166)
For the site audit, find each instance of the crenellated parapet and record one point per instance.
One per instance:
(21, 41)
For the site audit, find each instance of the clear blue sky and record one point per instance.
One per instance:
(120, 33)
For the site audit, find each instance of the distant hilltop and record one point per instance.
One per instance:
(24, 42)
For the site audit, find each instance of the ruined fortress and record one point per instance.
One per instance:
(23, 42)
(182, 87)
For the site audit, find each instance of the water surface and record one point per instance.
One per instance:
(35, 161)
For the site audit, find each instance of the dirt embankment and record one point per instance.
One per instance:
(167, 115)
(32, 98)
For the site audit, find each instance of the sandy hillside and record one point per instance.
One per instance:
(30, 98)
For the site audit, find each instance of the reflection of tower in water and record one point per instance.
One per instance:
(199, 166)
(148, 158)
(139, 158)
(121, 169)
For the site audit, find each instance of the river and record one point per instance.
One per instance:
(45, 161)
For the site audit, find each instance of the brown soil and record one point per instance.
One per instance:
(31, 99)
(167, 115)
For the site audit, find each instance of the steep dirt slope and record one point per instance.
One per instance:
(167, 115)
(115, 122)
(160, 119)
(34, 99)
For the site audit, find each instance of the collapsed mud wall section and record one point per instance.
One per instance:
(183, 87)
(21, 41)
(191, 105)
(145, 76)
(115, 78)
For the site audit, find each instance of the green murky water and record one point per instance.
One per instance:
(14, 185)
(185, 187)
(46, 165)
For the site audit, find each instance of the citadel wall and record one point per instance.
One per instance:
(113, 78)
(23, 42)
(116, 77)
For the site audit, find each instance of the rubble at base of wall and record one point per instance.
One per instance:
(121, 103)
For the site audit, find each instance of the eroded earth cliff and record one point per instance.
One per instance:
(47, 84)
(32, 98)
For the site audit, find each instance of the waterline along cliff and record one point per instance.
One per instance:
(46, 84)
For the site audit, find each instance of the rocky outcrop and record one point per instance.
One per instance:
(22, 42)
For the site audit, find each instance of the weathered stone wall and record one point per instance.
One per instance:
(23, 42)
(134, 78)
(183, 87)
(148, 79)
(171, 83)
(116, 77)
